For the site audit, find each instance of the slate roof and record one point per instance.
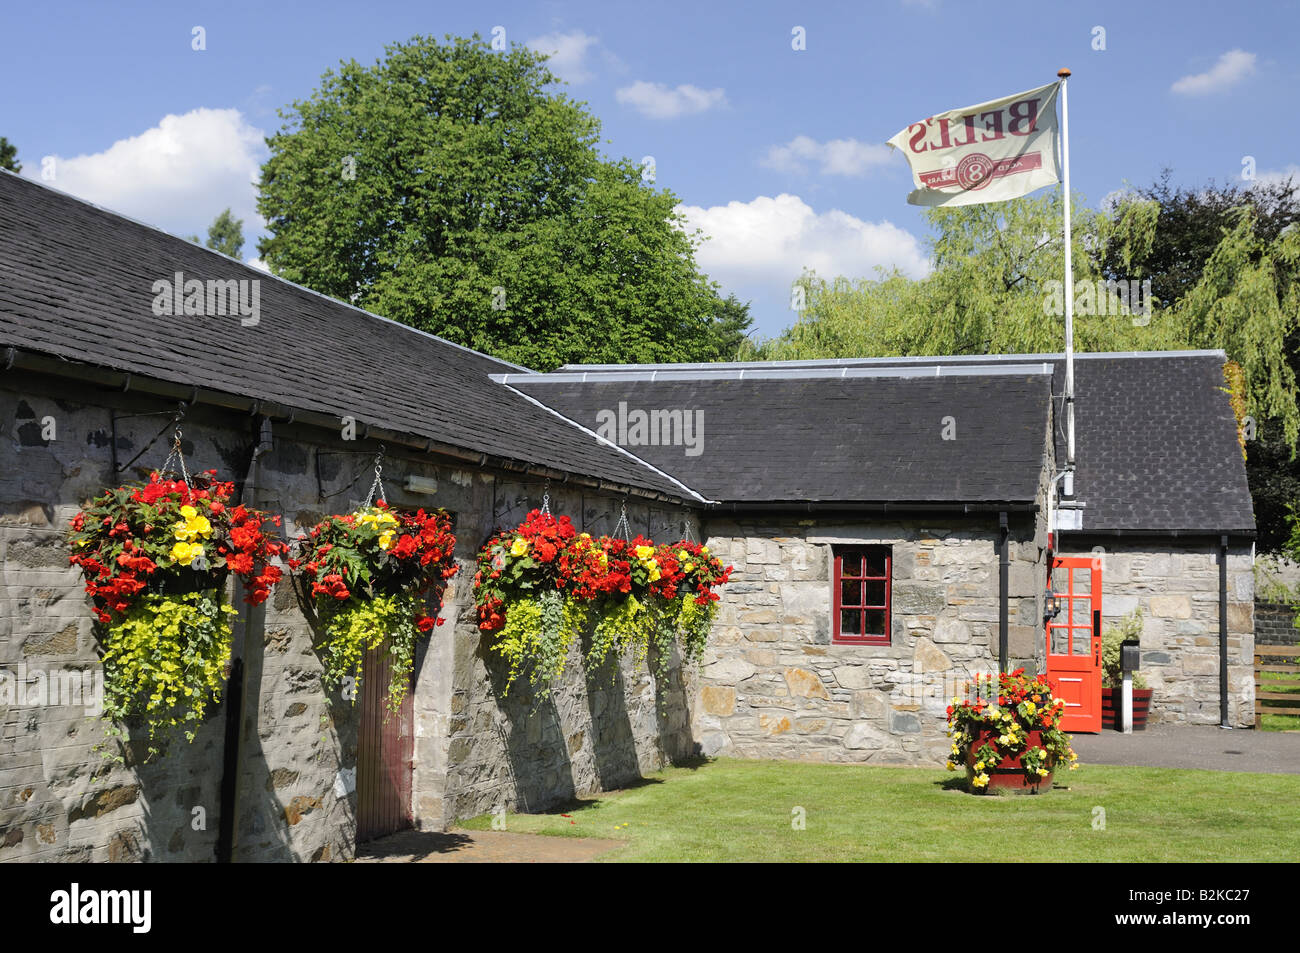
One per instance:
(76, 282)
(835, 439)
(1155, 438)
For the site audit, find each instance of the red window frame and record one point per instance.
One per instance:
(860, 573)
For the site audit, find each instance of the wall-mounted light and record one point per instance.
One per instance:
(1051, 605)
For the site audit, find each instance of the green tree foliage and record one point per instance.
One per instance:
(1243, 240)
(450, 187)
(996, 288)
(226, 234)
(1224, 269)
(9, 156)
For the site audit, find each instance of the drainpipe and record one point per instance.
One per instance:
(1003, 587)
(1223, 632)
(245, 622)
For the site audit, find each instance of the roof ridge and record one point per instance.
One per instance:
(919, 360)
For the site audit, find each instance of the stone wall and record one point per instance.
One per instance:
(60, 800)
(492, 748)
(773, 685)
(1275, 623)
(1176, 585)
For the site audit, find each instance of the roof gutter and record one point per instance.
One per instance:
(13, 358)
(899, 507)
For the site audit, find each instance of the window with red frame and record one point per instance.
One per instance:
(862, 595)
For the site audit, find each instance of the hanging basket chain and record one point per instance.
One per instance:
(378, 482)
(179, 457)
(687, 535)
(546, 499)
(623, 524)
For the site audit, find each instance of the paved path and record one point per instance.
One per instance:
(481, 847)
(1195, 746)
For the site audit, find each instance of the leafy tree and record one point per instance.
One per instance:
(451, 188)
(996, 288)
(9, 156)
(1228, 253)
(226, 234)
(991, 291)
(731, 325)
(1190, 226)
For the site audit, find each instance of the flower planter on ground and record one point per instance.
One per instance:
(1006, 734)
(1008, 775)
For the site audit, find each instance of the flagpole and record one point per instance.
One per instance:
(1068, 488)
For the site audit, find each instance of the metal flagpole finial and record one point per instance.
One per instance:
(1063, 72)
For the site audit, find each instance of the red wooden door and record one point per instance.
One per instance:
(1074, 641)
(385, 753)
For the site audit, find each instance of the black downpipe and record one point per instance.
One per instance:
(230, 759)
(1223, 632)
(1003, 587)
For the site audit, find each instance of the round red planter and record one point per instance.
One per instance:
(1008, 776)
(1110, 703)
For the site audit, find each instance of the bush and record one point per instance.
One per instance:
(1129, 629)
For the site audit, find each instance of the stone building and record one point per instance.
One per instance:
(893, 523)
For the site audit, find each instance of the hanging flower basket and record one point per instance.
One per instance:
(520, 589)
(155, 558)
(370, 572)
(1008, 736)
(538, 586)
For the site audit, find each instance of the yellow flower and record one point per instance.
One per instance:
(192, 527)
(654, 571)
(644, 552)
(683, 555)
(186, 553)
(519, 546)
(689, 566)
(386, 540)
(951, 766)
(704, 550)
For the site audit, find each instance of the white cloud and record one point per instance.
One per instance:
(769, 241)
(1231, 67)
(1271, 177)
(657, 101)
(567, 52)
(178, 176)
(835, 156)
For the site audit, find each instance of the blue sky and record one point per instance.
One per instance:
(776, 153)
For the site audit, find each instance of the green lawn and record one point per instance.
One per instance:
(730, 810)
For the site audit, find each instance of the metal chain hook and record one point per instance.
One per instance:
(179, 457)
(623, 523)
(378, 482)
(546, 498)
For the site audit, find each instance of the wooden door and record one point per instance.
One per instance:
(385, 753)
(1074, 641)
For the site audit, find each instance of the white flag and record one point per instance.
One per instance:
(992, 152)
